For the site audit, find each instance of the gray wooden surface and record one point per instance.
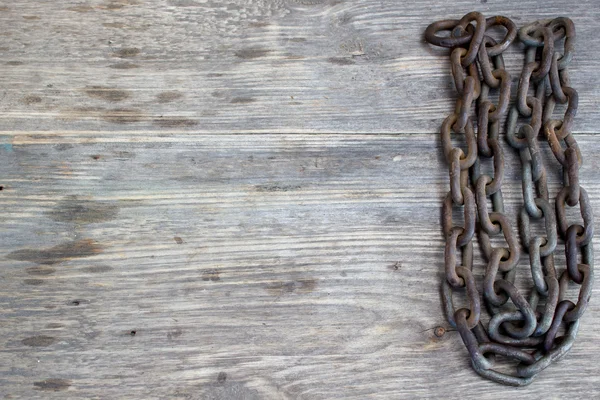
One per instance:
(241, 200)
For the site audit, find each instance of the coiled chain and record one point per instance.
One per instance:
(521, 327)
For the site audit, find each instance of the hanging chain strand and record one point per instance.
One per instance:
(521, 327)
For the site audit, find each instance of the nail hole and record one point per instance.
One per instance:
(132, 333)
(1, 187)
(75, 302)
(439, 331)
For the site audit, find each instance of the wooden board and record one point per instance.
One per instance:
(250, 65)
(211, 200)
(271, 266)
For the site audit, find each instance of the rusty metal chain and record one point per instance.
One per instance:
(523, 327)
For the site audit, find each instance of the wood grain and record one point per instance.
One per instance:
(241, 267)
(244, 66)
(203, 199)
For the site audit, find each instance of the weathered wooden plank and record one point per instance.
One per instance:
(240, 267)
(250, 65)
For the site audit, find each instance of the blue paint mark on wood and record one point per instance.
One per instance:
(5, 143)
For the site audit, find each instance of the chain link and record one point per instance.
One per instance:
(521, 328)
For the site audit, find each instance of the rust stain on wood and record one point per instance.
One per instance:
(31, 99)
(52, 385)
(169, 122)
(276, 187)
(40, 271)
(39, 341)
(124, 65)
(122, 115)
(117, 4)
(83, 211)
(81, 8)
(301, 286)
(251, 53)
(167, 97)
(97, 269)
(242, 100)
(58, 253)
(127, 52)
(211, 275)
(33, 282)
(340, 61)
(106, 93)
